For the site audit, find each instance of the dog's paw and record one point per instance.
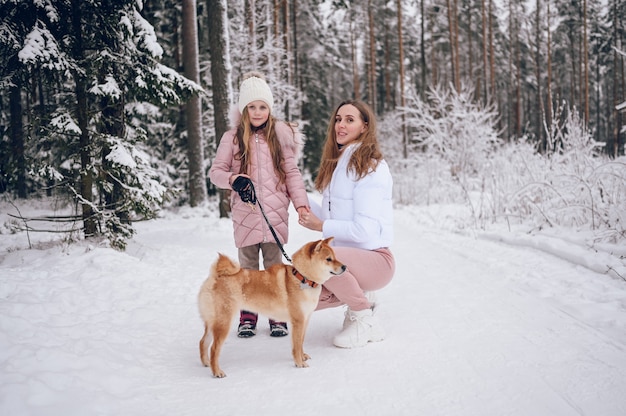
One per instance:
(302, 365)
(219, 374)
(306, 357)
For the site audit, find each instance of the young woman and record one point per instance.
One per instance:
(263, 150)
(357, 210)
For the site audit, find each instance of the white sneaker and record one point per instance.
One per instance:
(363, 327)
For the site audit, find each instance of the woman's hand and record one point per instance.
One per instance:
(310, 221)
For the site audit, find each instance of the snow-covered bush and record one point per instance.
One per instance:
(450, 141)
(573, 184)
(454, 156)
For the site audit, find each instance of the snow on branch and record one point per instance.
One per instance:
(41, 48)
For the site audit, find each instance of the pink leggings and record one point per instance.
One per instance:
(367, 270)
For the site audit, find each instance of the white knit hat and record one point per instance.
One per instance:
(254, 88)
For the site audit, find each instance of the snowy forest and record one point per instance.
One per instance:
(513, 108)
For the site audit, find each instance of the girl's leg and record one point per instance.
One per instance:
(272, 255)
(367, 270)
(248, 259)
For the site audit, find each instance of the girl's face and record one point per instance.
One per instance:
(258, 112)
(348, 124)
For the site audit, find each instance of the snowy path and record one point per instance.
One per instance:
(491, 343)
(474, 328)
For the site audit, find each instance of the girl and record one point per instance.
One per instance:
(357, 210)
(263, 150)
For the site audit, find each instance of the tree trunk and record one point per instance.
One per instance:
(276, 16)
(434, 57)
(585, 65)
(220, 78)
(454, 51)
(287, 46)
(372, 58)
(405, 151)
(113, 124)
(574, 64)
(616, 85)
(457, 59)
(193, 110)
(82, 118)
(539, 109)
(297, 82)
(422, 51)
(451, 40)
(470, 31)
(17, 138)
(549, 81)
(517, 78)
(484, 30)
(492, 65)
(86, 162)
(511, 80)
(250, 18)
(387, 103)
(355, 65)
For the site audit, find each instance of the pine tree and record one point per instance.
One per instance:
(101, 59)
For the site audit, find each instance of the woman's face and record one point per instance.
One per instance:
(258, 112)
(348, 124)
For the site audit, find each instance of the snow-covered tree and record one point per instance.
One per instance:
(100, 60)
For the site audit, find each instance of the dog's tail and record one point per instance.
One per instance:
(225, 266)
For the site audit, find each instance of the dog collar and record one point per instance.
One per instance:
(305, 281)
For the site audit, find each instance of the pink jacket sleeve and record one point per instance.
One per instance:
(222, 166)
(293, 181)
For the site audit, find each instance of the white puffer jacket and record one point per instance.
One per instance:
(358, 213)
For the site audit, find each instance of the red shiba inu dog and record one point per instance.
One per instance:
(284, 292)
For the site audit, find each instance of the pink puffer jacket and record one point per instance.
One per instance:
(248, 222)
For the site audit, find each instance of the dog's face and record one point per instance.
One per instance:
(316, 260)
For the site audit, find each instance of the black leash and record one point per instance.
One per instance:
(245, 188)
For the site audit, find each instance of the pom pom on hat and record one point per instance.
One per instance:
(254, 88)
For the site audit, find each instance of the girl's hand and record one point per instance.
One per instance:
(235, 176)
(302, 211)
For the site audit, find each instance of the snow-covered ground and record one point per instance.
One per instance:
(484, 324)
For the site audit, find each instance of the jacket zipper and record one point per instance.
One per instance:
(260, 182)
(330, 185)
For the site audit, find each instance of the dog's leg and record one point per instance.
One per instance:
(298, 324)
(220, 332)
(306, 325)
(204, 341)
(305, 356)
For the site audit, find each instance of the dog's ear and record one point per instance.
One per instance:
(321, 243)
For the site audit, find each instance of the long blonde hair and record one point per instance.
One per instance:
(365, 158)
(242, 138)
